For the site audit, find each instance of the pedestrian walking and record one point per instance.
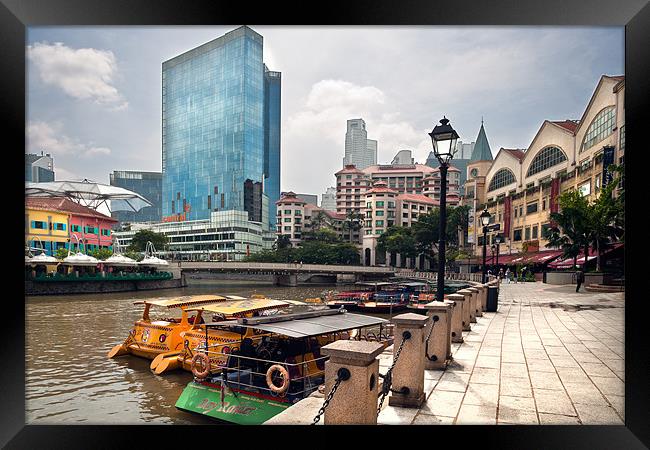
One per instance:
(508, 275)
(500, 274)
(580, 278)
(516, 275)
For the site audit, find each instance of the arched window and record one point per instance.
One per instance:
(502, 178)
(545, 158)
(601, 127)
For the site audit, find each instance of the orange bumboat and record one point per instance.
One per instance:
(149, 338)
(220, 342)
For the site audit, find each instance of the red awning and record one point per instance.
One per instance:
(568, 262)
(526, 258)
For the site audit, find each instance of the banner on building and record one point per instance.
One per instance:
(608, 159)
(507, 211)
(555, 192)
(470, 225)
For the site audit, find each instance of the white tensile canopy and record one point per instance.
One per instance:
(90, 194)
(120, 260)
(79, 259)
(41, 259)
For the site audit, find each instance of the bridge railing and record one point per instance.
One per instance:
(290, 267)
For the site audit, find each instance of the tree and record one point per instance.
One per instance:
(427, 230)
(319, 219)
(398, 239)
(140, 239)
(283, 241)
(324, 234)
(353, 222)
(61, 253)
(101, 253)
(134, 255)
(571, 231)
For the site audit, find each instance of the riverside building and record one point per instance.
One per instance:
(220, 130)
(147, 184)
(296, 216)
(520, 186)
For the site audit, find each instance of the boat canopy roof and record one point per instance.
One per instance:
(233, 307)
(412, 283)
(302, 325)
(187, 300)
(374, 283)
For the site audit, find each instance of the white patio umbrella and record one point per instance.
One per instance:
(150, 260)
(90, 194)
(79, 259)
(120, 260)
(42, 259)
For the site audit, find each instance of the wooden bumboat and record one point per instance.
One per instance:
(267, 376)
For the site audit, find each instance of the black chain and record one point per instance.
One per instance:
(342, 375)
(388, 378)
(434, 319)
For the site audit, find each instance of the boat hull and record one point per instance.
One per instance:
(233, 405)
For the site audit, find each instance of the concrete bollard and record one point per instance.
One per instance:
(484, 297)
(467, 306)
(408, 374)
(456, 300)
(473, 302)
(438, 345)
(479, 300)
(355, 401)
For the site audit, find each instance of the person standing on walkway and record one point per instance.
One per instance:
(508, 275)
(580, 278)
(500, 274)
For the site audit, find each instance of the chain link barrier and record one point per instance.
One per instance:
(434, 319)
(343, 374)
(388, 378)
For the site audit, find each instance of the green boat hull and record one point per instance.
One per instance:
(237, 406)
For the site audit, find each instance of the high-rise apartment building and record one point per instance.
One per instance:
(147, 184)
(359, 150)
(220, 129)
(328, 199)
(39, 168)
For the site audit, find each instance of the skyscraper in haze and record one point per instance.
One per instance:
(359, 150)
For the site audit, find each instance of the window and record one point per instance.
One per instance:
(287, 211)
(585, 188)
(297, 212)
(368, 213)
(391, 204)
(380, 213)
(546, 230)
(287, 219)
(530, 185)
(597, 182)
(521, 211)
(601, 127)
(379, 204)
(39, 225)
(621, 144)
(405, 215)
(209, 202)
(298, 220)
(502, 178)
(368, 223)
(531, 208)
(287, 228)
(106, 232)
(77, 228)
(545, 158)
(379, 223)
(368, 204)
(516, 235)
(515, 212)
(544, 204)
(90, 230)
(534, 232)
(59, 226)
(527, 233)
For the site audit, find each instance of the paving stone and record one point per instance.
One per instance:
(557, 419)
(517, 417)
(585, 393)
(453, 381)
(540, 365)
(572, 375)
(564, 361)
(554, 402)
(514, 370)
(485, 375)
(477, 415)
(392, 415)
(597, 369)
(443, 403)
(618, 403)
(513, 357)
(597, 415)
(535, 354)
(517, 403)
(516, 387)
(608, 385)
(481, 394)
(493, 362)
(430, 419)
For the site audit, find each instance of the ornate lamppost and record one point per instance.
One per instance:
(485, 221)
(443, 138)
(497, 242)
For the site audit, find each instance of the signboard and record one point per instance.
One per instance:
(470, 225)
(175, 218)
(608, 158)
(233, 406)
(507, 214)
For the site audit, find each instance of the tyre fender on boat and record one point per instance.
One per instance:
(205, 362)
(285, 379)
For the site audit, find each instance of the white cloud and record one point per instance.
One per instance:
(84, 74)
(49, 137)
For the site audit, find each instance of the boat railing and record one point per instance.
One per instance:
(250, 373)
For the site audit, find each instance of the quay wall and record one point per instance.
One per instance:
(94, 287)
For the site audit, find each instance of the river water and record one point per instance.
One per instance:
(70, 380)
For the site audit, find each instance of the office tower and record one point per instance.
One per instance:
(215, 142)
(39, 168)
(272, 91)
(328, 199)
(148, 185)
(359, 150)
(403, 157)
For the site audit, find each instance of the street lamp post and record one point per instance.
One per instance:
(485, 221)
(497, 240)
(443, 138)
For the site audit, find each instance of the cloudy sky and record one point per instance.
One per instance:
(94, 94)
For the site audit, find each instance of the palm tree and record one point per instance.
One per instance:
(571, 232)
(353, 222)
(319, 219)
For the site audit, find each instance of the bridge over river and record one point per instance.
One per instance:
(286, 274)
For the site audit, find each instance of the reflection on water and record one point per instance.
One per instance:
(70, 380)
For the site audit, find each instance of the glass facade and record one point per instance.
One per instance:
(502, 178)
(147, 184)
(212, 125)
(272, 91)
(545, 158)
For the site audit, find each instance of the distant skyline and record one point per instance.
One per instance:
(94, 93)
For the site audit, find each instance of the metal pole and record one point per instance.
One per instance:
(440, 290)
(498, 249)
(484, 253)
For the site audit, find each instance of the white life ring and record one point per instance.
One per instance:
(285, 379)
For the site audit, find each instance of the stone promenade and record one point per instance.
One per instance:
(548, 356)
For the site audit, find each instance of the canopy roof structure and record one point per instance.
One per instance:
(79, 259)
(41, 259)
(309, 324)
(120, 260)
(187, 300)
(238, 307)
(90, 194)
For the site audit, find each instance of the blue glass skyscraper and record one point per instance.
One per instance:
(272, 91)
(213, 128)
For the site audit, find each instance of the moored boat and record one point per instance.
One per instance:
(393, 297)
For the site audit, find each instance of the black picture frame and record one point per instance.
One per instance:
(16, 15)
